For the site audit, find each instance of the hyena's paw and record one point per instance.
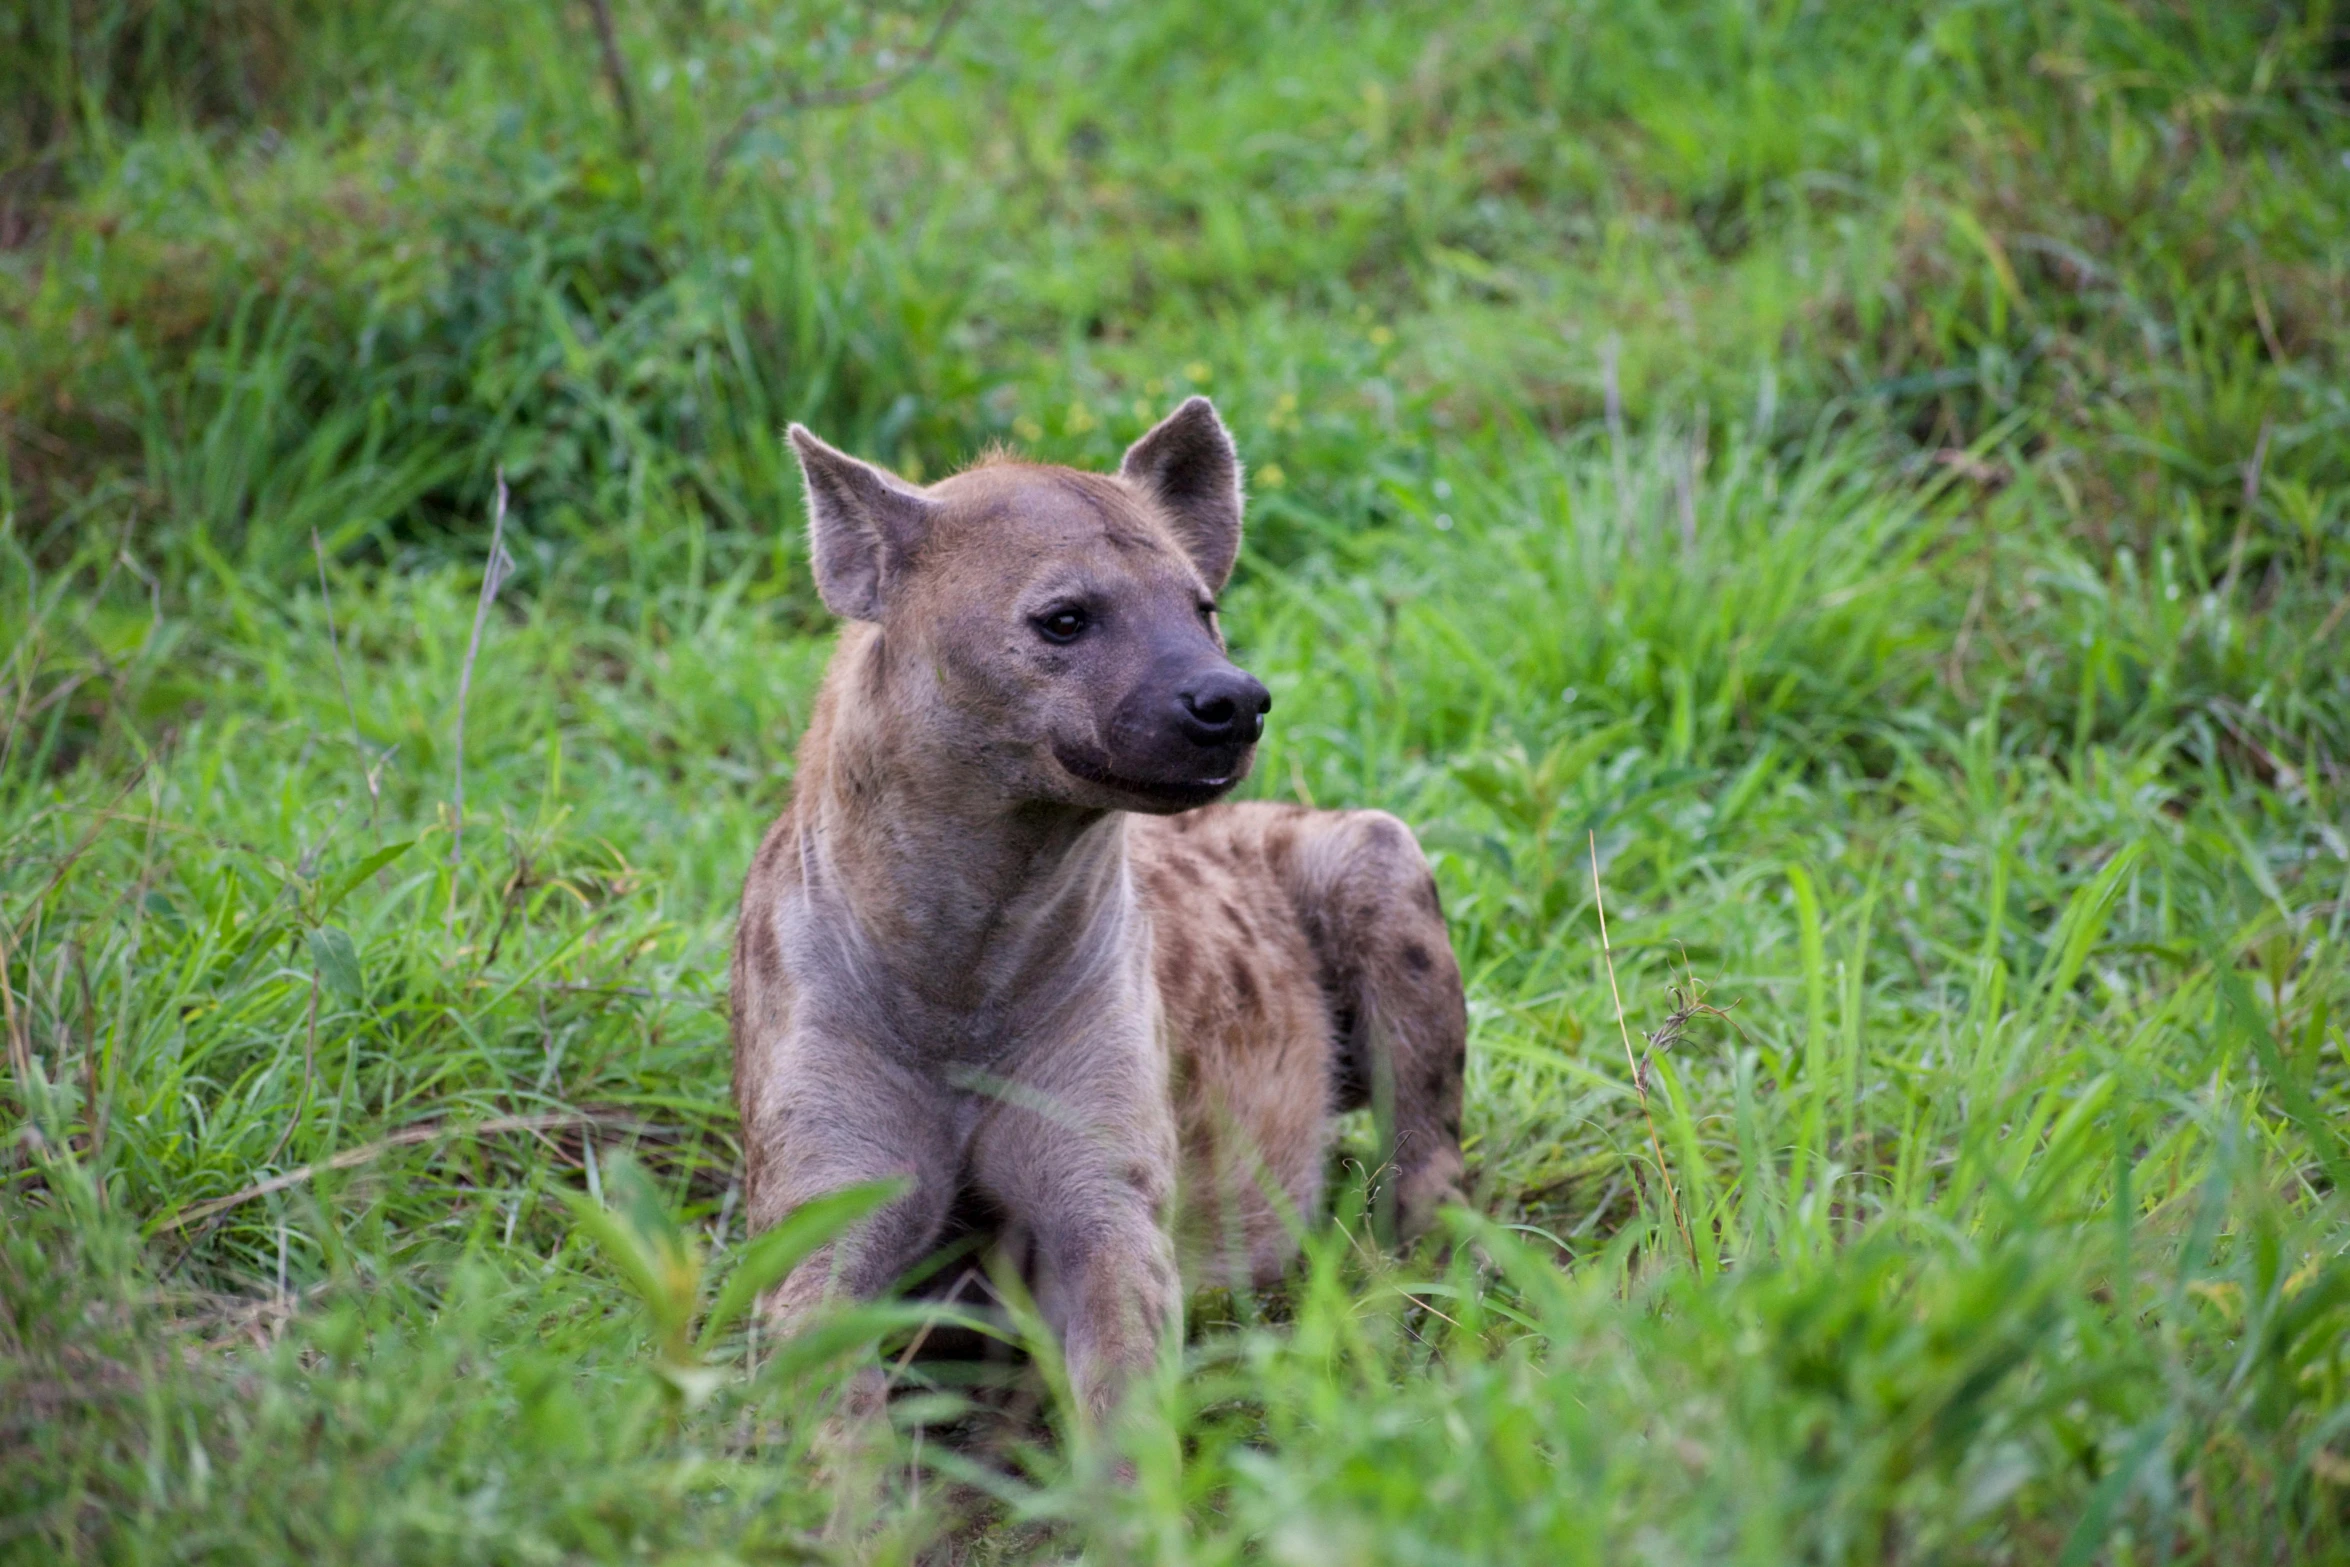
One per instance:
(1421, 1191)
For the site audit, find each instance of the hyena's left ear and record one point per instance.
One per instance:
(1187, 463)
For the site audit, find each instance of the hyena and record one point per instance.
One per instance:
(1004, 945)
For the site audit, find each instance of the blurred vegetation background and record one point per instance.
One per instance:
(1871, 484)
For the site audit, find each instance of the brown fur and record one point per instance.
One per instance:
(979, 950)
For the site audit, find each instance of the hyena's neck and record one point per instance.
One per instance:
(962, 896)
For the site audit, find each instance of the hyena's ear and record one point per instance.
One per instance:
(863, 522)
(1187, 463)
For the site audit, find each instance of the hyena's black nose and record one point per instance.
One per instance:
(1225, 707)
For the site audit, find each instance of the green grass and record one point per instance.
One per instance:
(1876, 477)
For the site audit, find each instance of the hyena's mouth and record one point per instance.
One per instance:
(1167, 793)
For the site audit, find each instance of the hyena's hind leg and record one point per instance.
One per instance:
(1370, 909)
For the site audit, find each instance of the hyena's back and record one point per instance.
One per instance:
(1301, 956)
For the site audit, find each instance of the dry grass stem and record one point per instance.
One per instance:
(309, 1074)
(616, 75)
(795, 98)
(407, 1137)
(2227, 586)
(20, 1050)
(2333, 619)
(1612, 391)
(66, 865)
(1632, 1060)
(493, 576)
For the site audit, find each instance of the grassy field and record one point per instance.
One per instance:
(1868, 486)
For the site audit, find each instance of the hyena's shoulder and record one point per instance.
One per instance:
(1258, 891)
(1349, 863)
(1185, 864)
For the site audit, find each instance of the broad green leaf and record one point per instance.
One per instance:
(850, 1329)
(766, 1260)
(621, 1245)
(361, 871)
(336, 962)
(671, 1262)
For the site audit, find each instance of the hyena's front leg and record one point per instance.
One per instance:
(1083, 1167)
(830, 1117)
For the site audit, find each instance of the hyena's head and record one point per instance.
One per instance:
(1052, 632)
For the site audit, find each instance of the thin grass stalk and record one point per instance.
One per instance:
(2250, 509)
(1639, 1081)
(616, 75)
(492, 577)
(407, 1137)
(309, 1073)
(334, 645)
(1813, 1137)
(81, 971)
(1612, 391)
(20, 1050)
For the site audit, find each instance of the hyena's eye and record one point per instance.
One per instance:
(1061, 624)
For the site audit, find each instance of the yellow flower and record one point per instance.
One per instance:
(1079, 419)
(1027, 429)
(1381, 336)
(1270, 476)
(1197, 372)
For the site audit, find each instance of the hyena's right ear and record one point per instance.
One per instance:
(863, 523)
